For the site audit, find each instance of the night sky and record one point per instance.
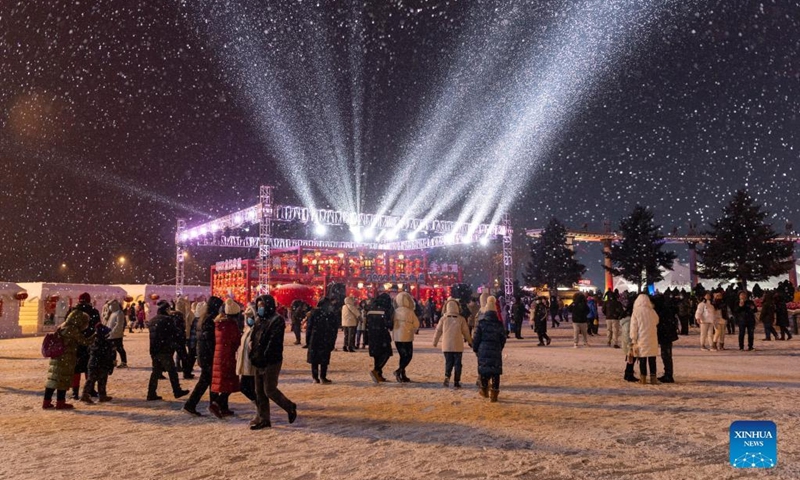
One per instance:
(116, 118)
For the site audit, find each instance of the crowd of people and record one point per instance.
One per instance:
(239, 348)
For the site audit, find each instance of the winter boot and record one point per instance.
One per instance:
(714, 347)
(122, 365)
(722, 346)
(654, 380)
(47, 404)
(666, 379)
(398, 376)
(374, 376)
(75, 394)
(643, 380)
(87, 398)
(325, 380)
(494, 395)
(446, 382)
(484, 392)
(105, 398)
(404, 377)
(456, 384)
(63, 405)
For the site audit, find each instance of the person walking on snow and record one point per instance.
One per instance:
(706, 315)
(612, 310)
(454, 331)
(539, 322)
(206, 339)
(322, 328)
(116, 325)
(266, 355)
(379, 324)
(488, 343)
(162, 346)
(224, 379)
(644, 337)
(405, 324)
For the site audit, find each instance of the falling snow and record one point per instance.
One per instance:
(116, 119)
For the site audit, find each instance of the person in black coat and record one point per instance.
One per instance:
(162, 346)
(379, 326)
(539, 317)
(488, 342)
(82, 365)
(297, 313)
(100, 365)
(322, 328)
(744, 312)
(782, 316)
(206, 339)
(667, 332)
(518, 316)
(266, 355)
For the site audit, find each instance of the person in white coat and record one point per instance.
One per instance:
(406, 324)
(644, 337)
(350, 316)
(115, 321)
(453, 330)
(244, 368)
(706, 316)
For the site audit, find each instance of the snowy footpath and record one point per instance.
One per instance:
(564, 413)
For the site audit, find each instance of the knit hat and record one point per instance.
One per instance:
(231, 307)
(85, 297)
(491, 304)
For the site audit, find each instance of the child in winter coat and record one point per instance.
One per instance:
(488, 343)
(644, 337)
(539, 321)
(454, 331)
(101, 365)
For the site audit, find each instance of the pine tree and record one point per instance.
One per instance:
(552, 261)
(742, 246)
(638, 257)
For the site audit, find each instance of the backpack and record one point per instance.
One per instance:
(53, 345)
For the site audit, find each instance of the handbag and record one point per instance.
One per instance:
(53, 345)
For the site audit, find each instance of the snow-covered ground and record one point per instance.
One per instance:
(563, 413)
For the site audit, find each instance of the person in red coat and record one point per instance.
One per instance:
(224, 379)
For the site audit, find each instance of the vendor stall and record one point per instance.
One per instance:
(11, 298)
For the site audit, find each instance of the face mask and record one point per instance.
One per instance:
(251, 321)
(261, 311)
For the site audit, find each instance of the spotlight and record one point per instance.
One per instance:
(184, 236)
(449, 239)
(484, 241)
(467, 240)
(412, 235)
(320, 230)
(391, 235)
(369, 233)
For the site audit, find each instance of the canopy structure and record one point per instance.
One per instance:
(11, 297)
(217, 233)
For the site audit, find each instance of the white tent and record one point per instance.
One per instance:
(9, 309)
(48, 303)
(152, 294)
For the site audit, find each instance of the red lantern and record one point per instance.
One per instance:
(21, 296)
(154, 296)
(128, 299)
(53, 298)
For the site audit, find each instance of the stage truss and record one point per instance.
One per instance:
(445, 233)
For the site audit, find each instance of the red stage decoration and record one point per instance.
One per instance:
(128, 298)
(21, 296)
(154, 296)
